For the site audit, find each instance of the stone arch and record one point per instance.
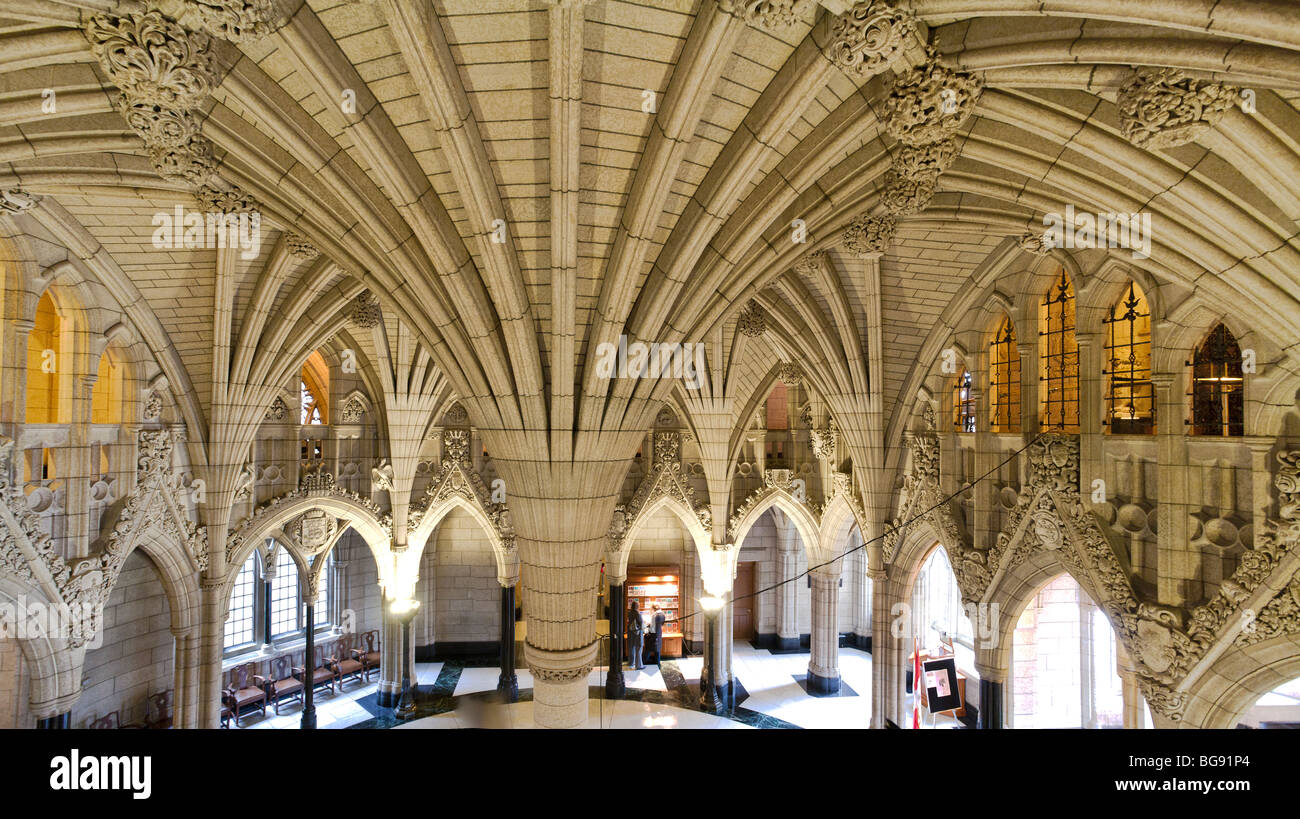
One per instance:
(1010, 594)
(1238, 678)
(267, 521)
(778, 497)
(700, 536)
(507, 558)
(838, 519)
(53, 665)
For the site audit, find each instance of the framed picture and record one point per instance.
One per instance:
(941, 690)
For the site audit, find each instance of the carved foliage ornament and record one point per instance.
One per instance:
(153, 59)
(867, 37)
(455, 445)
(665, 480)
(16, 200)
(1164, 108)
(230, 199)
(365, 311)
(353, 410)
(752, 321)
(1038, 244)
(278, 410)
(928, 103)
(868, 236)
(299, 247)
(165, 73)
(904, 196)
(766, 14)
(809, 264)
(236, 20)
(790, 374)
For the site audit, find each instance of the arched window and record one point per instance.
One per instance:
(44, 362)
(1218, 399)
(1130, 395)
(963, 404)
(1058, 373)
(315, 390)
(106, 396)
(285, 600)
(1004, 379)
(240, 624)
(248, 627)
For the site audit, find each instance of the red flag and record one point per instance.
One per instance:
(916, 685)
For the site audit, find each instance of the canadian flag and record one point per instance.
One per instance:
(916, 685)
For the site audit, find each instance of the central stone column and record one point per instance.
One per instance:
(561, 515)
(787, 601)
(824, 659)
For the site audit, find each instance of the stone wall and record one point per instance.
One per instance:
(458, 589)
(13, 693)
(137, 652)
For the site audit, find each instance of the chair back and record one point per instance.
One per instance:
(239, 676)
(161, 703)
(280, 667)
(108, 721)
(372, 641)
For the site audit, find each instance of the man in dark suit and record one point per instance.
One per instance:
(658, 622)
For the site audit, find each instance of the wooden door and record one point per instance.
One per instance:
(742, 611)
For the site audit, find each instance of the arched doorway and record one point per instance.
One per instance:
(939, 627)
(1064, 662)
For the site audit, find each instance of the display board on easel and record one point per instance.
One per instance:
(943, 688)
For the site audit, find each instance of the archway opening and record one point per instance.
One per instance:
(1064, 662)
(44, 365)
(663, 572)
(1279, 708)
(940, 629)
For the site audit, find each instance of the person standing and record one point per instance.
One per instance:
(658, 621)
(635, 636)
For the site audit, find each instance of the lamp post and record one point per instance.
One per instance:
(404, 611)
(710, 605)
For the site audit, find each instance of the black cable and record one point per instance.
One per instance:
(899, 528)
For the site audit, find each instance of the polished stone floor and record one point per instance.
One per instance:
(770, 694)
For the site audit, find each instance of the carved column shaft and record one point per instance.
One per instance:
(824, 660)
(787, 605)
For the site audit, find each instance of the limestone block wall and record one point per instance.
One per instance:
(361, 592)
(13, 686)
(467, 596)
(660, 541)
(138, 650)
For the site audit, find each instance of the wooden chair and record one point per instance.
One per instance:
(321, 674)
(280, 683)
(161, 706)
(243, 693)
(368, 656)
(107, 722)
(344, 662)
(110, 721)
(225, 716)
